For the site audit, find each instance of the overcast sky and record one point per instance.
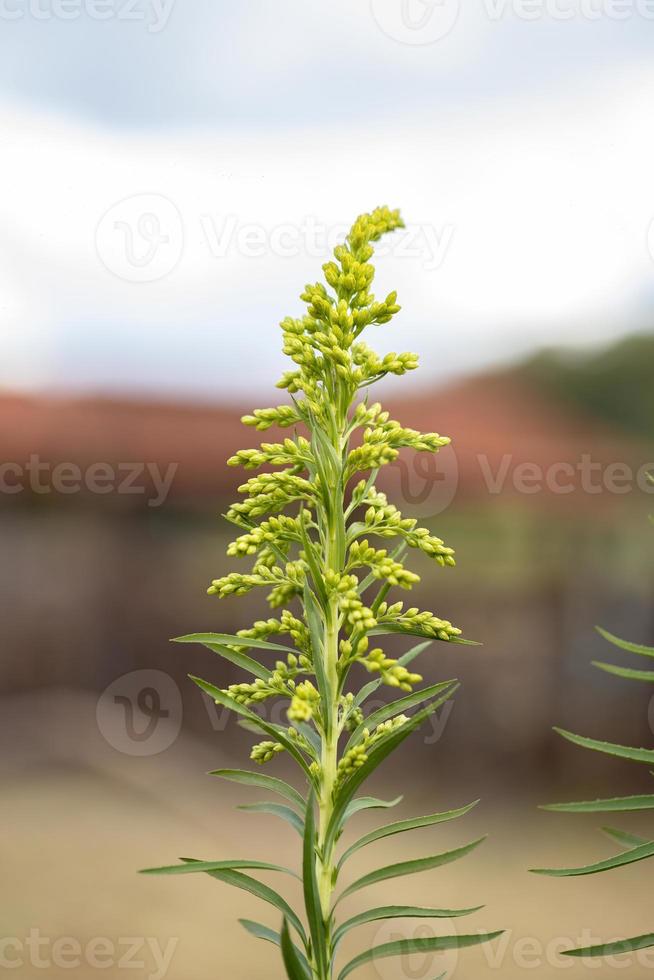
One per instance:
(173, 173)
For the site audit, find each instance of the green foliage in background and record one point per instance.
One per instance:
(633, 848)
(613, 384)
(325, 571)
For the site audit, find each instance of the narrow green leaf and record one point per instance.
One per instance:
(617, 804)
(639, 648)
(627, 857)
(380, 751)
(399, 912)
(410, 867)
(403, 947)
(397, 707)
(614, 948)
(369, 803)
(259, 931)
(402, 826)
(274, 731)
(239, 880)
(261, 781)
(608, 748)
(386, 628)
(240, 660)
(195, 867)
(230, 639)
(623, 838)
(294, 968)
(311, 890)
(312, 562)
(278, 810)
(628, 672)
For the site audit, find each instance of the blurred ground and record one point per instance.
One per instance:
(83, 817)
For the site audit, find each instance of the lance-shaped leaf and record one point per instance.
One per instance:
(627, 857)
(403, 868)
(277, 810)
(397, 707)
(294, 966)
(262, 781)
(399, 912)
(237, 658)
(230, 639)
(623, 838)
(627, 672)
(385, 628)
(369, 803)
(275, 731)
(259, 931)
(614, 948)
(618, 804)
(404, 947)
(246, 883)
(402, 826)
(639, 648)
(196, 867)
(608, 748)
(311, 890)
(380, 751)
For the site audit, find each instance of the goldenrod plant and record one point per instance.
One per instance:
(633, 848)
(325, 572)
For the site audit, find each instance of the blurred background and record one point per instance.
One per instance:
(174, 171)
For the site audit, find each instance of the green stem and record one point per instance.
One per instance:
(329, 753)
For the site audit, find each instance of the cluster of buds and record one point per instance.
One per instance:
(291, 452)
(286, 624)
(304, 702)
(270, 492)
(276, 530)
(263, 752)
(369, 366)
(413, 619)
(381, 564)
(386, 521)
(390, 671)
(357, 756)
(352, 715)
(280, 682)
(264, 418)
(290, 578)
(357, 616)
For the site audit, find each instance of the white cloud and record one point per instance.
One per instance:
(545, 205)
